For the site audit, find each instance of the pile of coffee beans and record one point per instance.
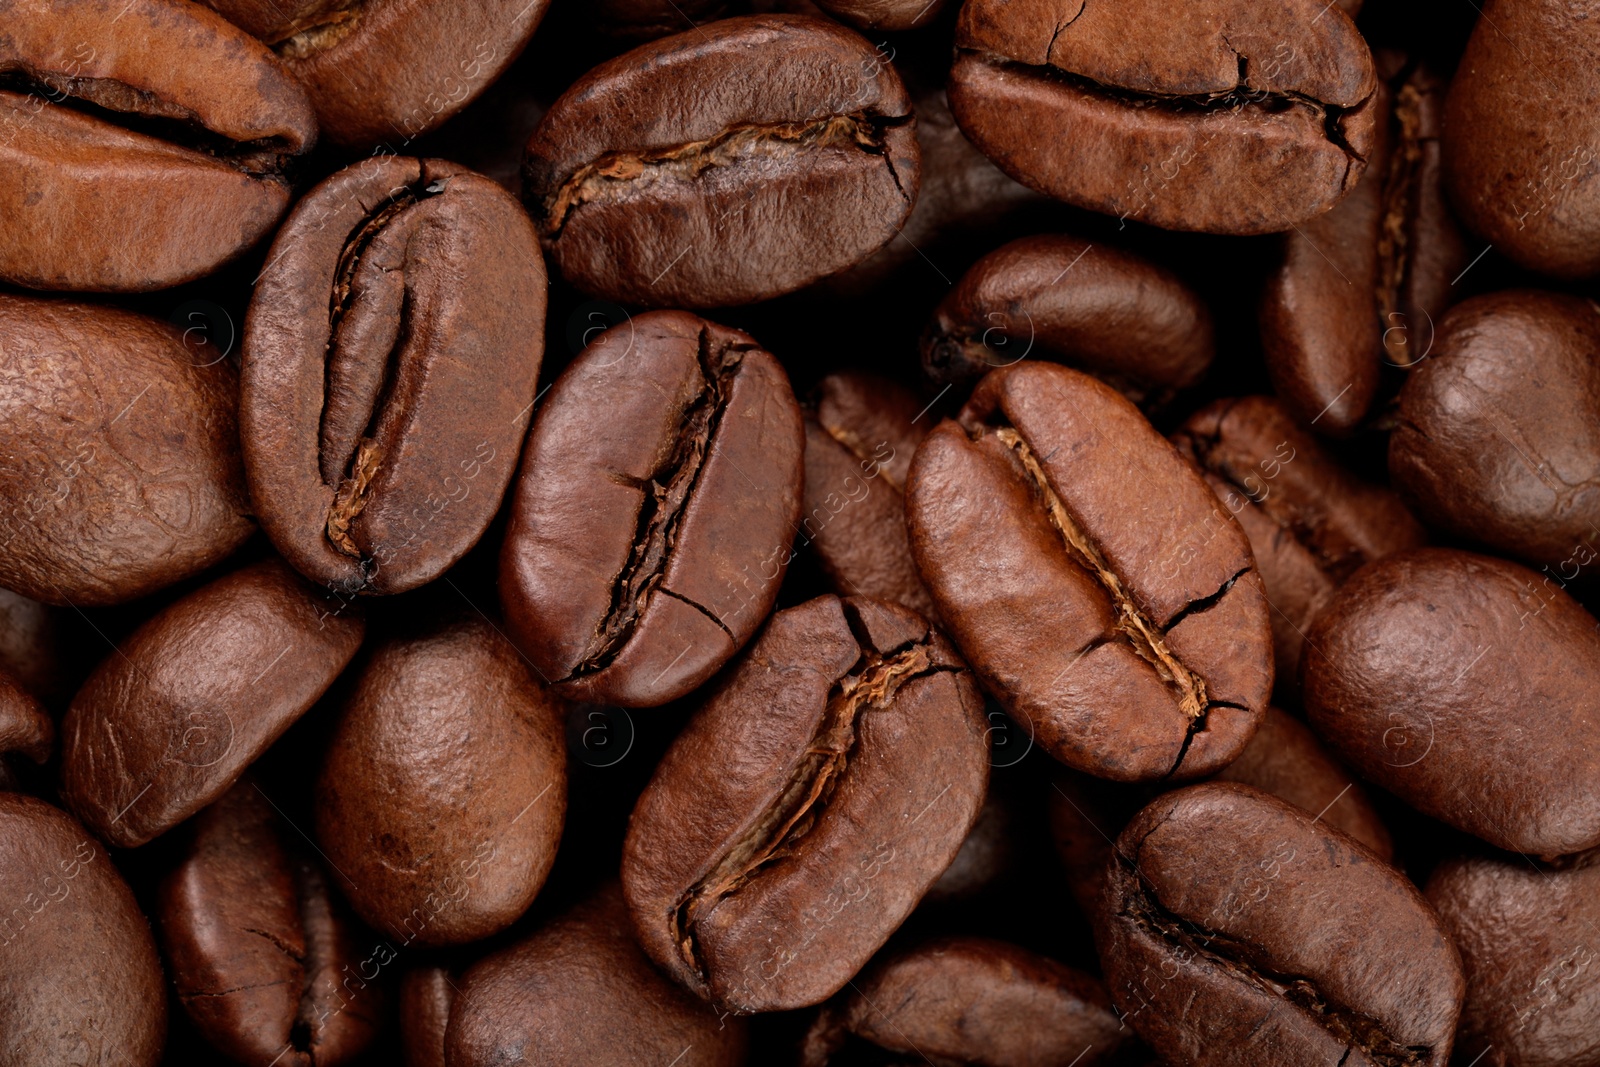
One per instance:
(800, 533)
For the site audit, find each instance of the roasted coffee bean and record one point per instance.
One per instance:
(1522, 134)
(1311, 522)
(1365, 284)
(1238, 930)
(391, 357)
(79, 978)
(958, 1000)
(646, 20)
(383, 72)
(851, 763)
(859, 443)
(1499, 433)
(32, 647)
(445, 786)
(1098, 588)
(426, 994)
(724, 165)
(878, 15)
(1530, 940)
(1465, 686)
(1130, 323)
(653, 515)
(120, 470)
(24, 727)
(580, 991)
(265, 959)
(143, 144)
(170, 720)
(1235, 118)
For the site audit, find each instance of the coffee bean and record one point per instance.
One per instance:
(32, 648)
(1123, 319)
(24, 727)
(79, 978)
(1232, 119)
(580, 991)
(176, 714)
(444, 788)
(143, 144)
(1239, 930)
(121, 469)
(877, 15)
(850, 747)
(426, 994)
(1462, 684)
(266, 961)
(1499, 433)
(391, 356)
(649, 187)
(1098, 588)
(654, 511)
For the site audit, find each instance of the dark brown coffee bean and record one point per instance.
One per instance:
(121, 473)
(1499, 434)
(80, 982)
(1096, 585)
(1130, 323)
(580, 991)
(1311, 522)
(1530, 944)
(877, 15)
(391, 358)
(1240, 931)
(143, 143)
(445, 787)
(265, 959)
(172, 718)
(649, 189)
(1365, 284)
(25, 728)
(33, 648)
(1235, 118)
(852, 762)
(426, 994)
(1522, 134)
(654, 511)
(1464, 685)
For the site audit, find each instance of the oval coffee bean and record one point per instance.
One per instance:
(580, 991)
(79, 978)
(266, 962)
(852, 762)
(33, 647)
(648, 189)
(652, 518)
(1130, 323)
(1522, 136)
(1499, 432)
(143, 143)
(1235, 118)
(171, 720)
(121, 473)
(25, 728)
(391, 356)
(426, 994)
(1240, 931)
(1465, 685)
(444, 788)
(1093, 581)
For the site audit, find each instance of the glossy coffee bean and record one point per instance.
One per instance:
(580, 991)
(265, 958)
(121, 472)
(391, 357)
(426, 994)
(444, 788)
(1240, 931)
(1464, 685)
(143, 143)
(1499, 432)
(1236, 118)
(171, 719)
(1098, 588)
(1311, 522)
(724, 165)
(652, 518)
(1128, 322)
(1521, 135)
(80, 981)
(852, 763)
